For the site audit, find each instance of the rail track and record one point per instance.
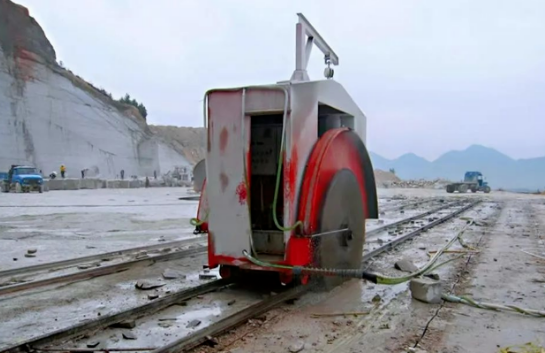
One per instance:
(64, 264)
(222, 325)
(100, 271)
(403, 206)
(411, 234)
(392, 231)
(408, 220)
(148, 260)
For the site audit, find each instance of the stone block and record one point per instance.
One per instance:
(117, 184)
(89, 183)
(71, 184)
(55, 184)
(426, 290)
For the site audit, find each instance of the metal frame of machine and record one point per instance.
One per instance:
(275, 150)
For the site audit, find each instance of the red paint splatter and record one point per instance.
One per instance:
(24, 65)
(212, 261)
(291, 173)
(242, 193)
(290, 182)
(224, 138)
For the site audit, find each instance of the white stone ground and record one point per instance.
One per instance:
(66, 224)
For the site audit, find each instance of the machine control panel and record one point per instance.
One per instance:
(265, 146)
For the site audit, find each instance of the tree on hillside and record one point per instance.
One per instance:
(393, 171)
(141, 108)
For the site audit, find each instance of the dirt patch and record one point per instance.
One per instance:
(20, 32)
(188, 141)
(385, 178)
(501, 274)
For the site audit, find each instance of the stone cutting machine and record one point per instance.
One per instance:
(288, 179)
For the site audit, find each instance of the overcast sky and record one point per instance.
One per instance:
(431, 76)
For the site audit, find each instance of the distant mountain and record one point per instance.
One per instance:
(500, 170)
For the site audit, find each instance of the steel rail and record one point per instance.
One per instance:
(189, 342)
(413, 218)
(407, 205)
(100, 271)
(223, 325)
(393, 243)
(84, 259)
(231, 321)
(108, 320)
(105, 270)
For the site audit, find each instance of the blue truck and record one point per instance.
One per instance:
(472, 181)
(21, 178)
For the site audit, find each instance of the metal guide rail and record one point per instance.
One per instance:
(84, 259)
(122, 266)
(223, 325)
(100, 271)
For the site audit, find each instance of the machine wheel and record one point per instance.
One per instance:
(462, 189)
(341, 208)
(473, 190)
(487, 189)
(41, 189)
(450, 189)
(229, 272)
(18, 188)
(338, 192)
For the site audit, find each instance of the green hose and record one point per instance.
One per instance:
(196, 222)
(277, 189)
(379, 279)
(362, 274)
(490, 306)
(278, 177)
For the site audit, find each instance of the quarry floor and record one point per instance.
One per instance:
(67, 224)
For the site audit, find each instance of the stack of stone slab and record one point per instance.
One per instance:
(90, 183)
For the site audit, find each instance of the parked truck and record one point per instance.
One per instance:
(21, 179)
(472, 181)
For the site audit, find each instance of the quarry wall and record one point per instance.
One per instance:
(49, 116)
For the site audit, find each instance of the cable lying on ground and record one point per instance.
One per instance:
(386, 280)
(490, 306)
(362, 274)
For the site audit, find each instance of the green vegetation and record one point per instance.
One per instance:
(141, 108)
